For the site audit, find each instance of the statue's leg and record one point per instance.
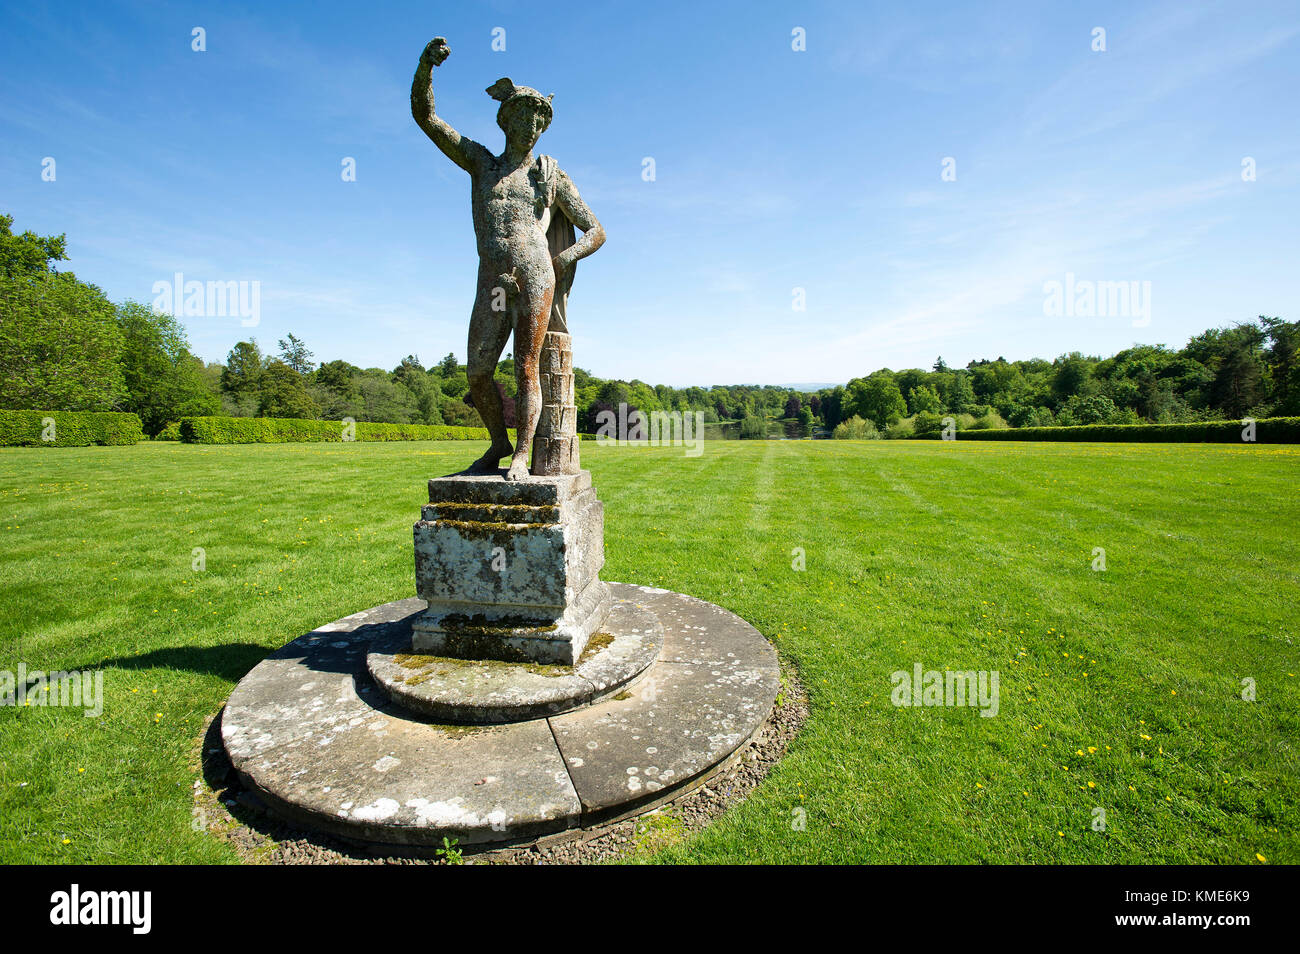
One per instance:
(531, 319)
(488, 331)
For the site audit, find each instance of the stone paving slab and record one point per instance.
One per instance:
(310, 731)
(309, 686)
(400, 781)
(683, 718)
(697, 631)
(487, 691)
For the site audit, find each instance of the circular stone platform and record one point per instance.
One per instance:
(487, 691)
(309, 730)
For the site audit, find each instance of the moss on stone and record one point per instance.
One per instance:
(459, 624)
(595, 643)
(413, 660)
(450, 663)
(496, 514)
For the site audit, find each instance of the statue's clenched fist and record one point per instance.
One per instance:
(436, 51)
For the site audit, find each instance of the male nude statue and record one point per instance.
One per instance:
(516, 200)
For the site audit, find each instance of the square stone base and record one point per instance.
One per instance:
(510, 569)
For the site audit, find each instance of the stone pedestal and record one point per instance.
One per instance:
(555, 445)
(510, 569)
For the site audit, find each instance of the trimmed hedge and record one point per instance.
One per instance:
(283, 430)
(172, 432)
(1268, 430)
(71, 428)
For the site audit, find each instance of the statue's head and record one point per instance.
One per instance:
(524, 113)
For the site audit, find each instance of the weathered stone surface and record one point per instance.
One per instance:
(525, 212)
(682, 719)
(491, 489)
(510, 569)
(555, 449)
(480, 691)
(309, 731)
(401, 781)
(308, 687)
(697, 631)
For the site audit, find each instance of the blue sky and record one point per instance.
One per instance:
(775, 170)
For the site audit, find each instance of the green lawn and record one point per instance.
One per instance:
(963, 555)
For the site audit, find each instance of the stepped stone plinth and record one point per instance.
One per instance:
(519, 695)
(510, 568)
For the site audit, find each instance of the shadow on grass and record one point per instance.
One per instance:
(230, 661)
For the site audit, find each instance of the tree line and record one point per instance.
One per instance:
(65, 347)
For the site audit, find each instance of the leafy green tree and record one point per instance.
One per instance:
(456, 412)
(1234, 357)
(924, 398)
(753, 427)
(294, 353)
(831, 404)
(384, 400)
(242, 376)
(59, 345)
(961, 396)
(448, 366)
(164, 382)
(333, 387)
(28, 254)
(456, 386)
(909, 379)
(855, 429)
(505, 375)
(875, 398)
(1283, 363)
(338, 376)
(1071, 378)
(926, 423)
(1090, 409)
(428, 394)
(283, 393)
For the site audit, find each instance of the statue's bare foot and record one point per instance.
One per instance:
(518, 468)
(490, 462)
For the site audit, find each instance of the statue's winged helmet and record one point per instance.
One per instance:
(508, 94)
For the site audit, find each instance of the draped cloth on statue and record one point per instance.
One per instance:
(555, 445)
(560, 234)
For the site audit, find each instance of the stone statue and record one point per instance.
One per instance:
(525, 209)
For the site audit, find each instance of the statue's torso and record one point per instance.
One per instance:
(511, 214)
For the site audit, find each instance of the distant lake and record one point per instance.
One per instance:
(776, 430)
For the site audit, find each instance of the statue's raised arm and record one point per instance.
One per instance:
(463, 151)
